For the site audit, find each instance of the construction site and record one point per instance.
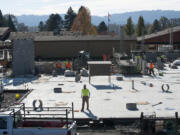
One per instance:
(133, 82)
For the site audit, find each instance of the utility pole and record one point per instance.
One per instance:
(108, 23)
(1, 92)
(121, 47)
(108, 20)
(171, 35)
(142, 42)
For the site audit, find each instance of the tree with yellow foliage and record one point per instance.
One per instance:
(82, 22)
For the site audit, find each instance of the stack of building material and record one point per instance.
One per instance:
(132, 106)
(69, 73)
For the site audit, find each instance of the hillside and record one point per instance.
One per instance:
(149, 16)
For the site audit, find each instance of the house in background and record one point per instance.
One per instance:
(4, 33)
(165, 42)
(5, 46)
(160, 41)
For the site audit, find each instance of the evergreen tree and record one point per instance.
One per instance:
(155, 26)
(129, 28)
(69, 18)
(22, 27)
(140, 28)
(164, 23)
(54, 22)
(14, 20)
(1, 19)
(175, 22)
(82, 22)
(148, 28)
(10, 23)
(102, 28)
(41, 26)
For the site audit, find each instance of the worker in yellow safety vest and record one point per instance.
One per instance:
(85, 94)
(66, 62)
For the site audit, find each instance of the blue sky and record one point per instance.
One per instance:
(97, 7)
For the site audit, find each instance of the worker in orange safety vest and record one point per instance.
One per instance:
(151, 68)
(58, 65)
(104, 57)
(68, 66)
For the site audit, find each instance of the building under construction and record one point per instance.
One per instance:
(147, 104)
(163, 43)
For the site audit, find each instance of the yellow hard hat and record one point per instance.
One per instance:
(17, 96)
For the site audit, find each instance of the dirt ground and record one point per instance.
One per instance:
(9, 98)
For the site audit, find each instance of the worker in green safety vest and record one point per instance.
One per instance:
(85, 94)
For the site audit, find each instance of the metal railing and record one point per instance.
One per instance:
(26, 113)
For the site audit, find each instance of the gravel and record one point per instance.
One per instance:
(9, 98)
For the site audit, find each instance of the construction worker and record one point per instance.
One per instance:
(68, 66)
(104, 57)
(4, 63)
(151, 68)
(66, 62)
(58, 66)
(77, 77)
(85, 94)
(108, 57)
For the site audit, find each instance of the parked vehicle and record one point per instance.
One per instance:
(174, 64)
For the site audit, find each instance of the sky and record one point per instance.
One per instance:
(97, 7)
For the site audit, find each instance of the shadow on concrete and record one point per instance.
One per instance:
(91, 115)
(18, 81)
(133, 75)
(106, 87)
(136, 90)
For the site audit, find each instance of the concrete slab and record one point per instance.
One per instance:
(106, 100)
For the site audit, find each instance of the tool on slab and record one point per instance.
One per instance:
(157, 104)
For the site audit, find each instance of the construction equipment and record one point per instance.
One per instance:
(81, 60)
(124, 64)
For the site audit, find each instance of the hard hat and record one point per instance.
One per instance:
(17, 96)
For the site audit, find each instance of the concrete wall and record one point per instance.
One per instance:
(64, 49)
(23, 57)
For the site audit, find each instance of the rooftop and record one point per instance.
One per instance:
(80, 38)
(31, 35)
(160, 33)
(48, 36)
(3, 30)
